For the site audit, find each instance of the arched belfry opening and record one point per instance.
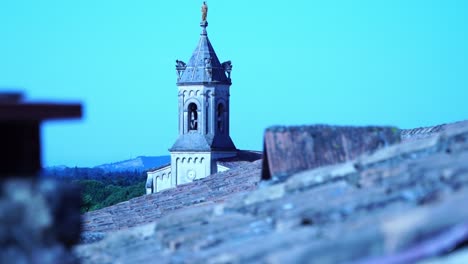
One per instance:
(220, 118)
(192, 117)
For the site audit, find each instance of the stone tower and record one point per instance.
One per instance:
(204, 145)
(203, 85)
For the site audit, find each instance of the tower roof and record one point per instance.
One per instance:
(204, 66)
(198, 142)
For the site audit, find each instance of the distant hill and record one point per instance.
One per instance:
(140, 163)
(57, 168)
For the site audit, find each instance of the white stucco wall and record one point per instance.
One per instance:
(189, 166)
(163, 182)
(185, 168)
(160, 179)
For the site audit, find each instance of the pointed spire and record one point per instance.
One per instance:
(204, 66)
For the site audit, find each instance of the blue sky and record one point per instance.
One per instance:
(364, 62)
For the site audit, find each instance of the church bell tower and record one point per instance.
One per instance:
(203, 91)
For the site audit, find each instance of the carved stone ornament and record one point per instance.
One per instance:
(227, 66)
(180, 67)
(208, 68)
(191, 175)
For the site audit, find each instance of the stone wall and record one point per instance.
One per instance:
(39, 221)
(207, 100)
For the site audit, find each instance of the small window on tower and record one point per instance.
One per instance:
(220, 118)
(192, 117)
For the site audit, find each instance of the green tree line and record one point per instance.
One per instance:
(100, 188)
(96, 194)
